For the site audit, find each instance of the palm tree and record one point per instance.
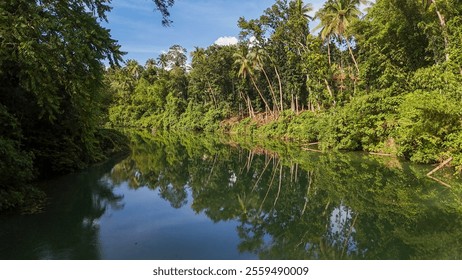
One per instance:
(150, 63)
(256, 57)
(241, 61)
(162, 61)
(134, 69)
(326, 33)
(298, 21)
(303, 9)
(198, 54)
(298, 9)
(246, 69)
(336, 17)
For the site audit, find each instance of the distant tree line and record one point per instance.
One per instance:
(387, 80)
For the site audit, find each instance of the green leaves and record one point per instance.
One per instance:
(51, 96)
(16, 168)
(426, 119)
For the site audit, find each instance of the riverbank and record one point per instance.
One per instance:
(22, 171)
(402, 130)
(401, 126)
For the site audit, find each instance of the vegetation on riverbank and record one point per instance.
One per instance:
(52, 99)
(387, 81)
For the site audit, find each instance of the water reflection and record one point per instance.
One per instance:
(69, 229)
(292, 205)
(201, 197)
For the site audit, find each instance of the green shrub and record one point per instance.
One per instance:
(453, 145)
(365, 123)
(16, 165)
(304, 127)
(426, 121)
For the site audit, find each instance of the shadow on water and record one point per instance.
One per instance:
(68, 229)
(278, 202)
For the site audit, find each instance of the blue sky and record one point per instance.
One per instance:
(137, 25)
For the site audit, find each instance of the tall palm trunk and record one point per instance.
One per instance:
(211, 92)
(280, 89)
(273, 95)
(351, 53)
(261, 95)
(328, 52)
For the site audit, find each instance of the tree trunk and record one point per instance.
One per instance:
(328, 52)
(330, 91)
(261, 95)
(296, 104)
(214, 101)
(280, 89)
(440, 166)
(351, 53)
(444, 30)
(251, 110)
(273, 95)
(248, 103)
(292, 103)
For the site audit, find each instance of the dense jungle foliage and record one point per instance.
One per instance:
(53, 103)
(383, 79)
(386, 81)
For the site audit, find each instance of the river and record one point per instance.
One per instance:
(201, 197)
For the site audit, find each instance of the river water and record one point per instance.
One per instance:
(198, 197)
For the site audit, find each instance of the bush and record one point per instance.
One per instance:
(16, 165)
(426, 121)
(454, 148)
(365, 123)
(305, 127)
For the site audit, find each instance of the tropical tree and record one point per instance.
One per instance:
(134, 69)
(150, 70)
(246, 69)
(335, 18)
(176, 57)
(52, 87)
(298, 23)
(162, 7)
(199, 77)
(213, 78)
(393, 44)
(442, 21)
(256, 57)
(162, 61)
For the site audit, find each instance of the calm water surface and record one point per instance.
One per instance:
(197, 198)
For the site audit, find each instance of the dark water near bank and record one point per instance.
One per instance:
(197, 198)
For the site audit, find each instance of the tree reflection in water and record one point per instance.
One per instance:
(286, 203)
(68, 229)
(292, 204)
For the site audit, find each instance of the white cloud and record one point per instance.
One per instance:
(226, 41)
